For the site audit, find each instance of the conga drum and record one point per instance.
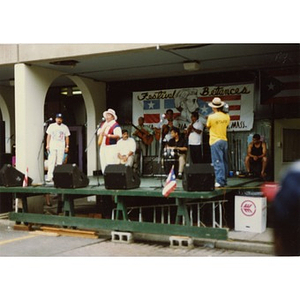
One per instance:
(170, 158)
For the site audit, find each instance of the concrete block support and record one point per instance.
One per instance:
(121, 237)
(181, 242)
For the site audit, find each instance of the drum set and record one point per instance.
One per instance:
(170, 158)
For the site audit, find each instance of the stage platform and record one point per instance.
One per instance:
(185, 205)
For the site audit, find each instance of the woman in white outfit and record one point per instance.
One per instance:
(109, 133)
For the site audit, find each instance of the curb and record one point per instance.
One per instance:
(246, 246)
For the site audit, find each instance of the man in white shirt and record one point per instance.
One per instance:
(168, 124)
(126, 148)
(57, 144)
(194, 134)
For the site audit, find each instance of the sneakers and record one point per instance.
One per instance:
(179, 176)
(217, 185)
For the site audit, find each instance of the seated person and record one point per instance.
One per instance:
(256, 154)
(178, 143)
(126, 148)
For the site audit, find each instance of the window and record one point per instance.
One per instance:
(291, 145)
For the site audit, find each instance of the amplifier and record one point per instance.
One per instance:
(198, 177)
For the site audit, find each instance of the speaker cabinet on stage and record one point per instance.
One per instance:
(5, 158)
(120, 177)
(198, 177)
(10, 177)
(69, 176)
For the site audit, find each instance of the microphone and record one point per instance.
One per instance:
(48, 121)
(101, 122)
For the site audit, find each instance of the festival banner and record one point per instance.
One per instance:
(183, 101)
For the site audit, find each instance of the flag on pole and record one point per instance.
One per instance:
(170, 184)
(25, 181)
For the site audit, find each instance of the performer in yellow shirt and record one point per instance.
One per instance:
(217, 124)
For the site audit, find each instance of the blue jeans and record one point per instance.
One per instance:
(219, 159)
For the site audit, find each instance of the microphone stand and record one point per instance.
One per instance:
(46, 124)
(97, 154)
(159, 154)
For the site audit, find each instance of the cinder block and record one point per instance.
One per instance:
(121, 237)
(181, 242)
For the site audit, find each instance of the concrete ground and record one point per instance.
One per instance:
(38, 243)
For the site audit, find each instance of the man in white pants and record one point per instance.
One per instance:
(57, 144)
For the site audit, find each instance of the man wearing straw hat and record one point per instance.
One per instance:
(217, 124)
(109, 133)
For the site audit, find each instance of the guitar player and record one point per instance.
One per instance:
(143, 136)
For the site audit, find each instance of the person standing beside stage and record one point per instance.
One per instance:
(57, 144)
(194, 134)
(217, 123)
(126, 148)
(109, 133)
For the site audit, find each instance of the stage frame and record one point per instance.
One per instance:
(179, 198)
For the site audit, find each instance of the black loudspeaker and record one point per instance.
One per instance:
(69, 176)
(5, 158)
(198, 177)
(9, 176)
(120, 177)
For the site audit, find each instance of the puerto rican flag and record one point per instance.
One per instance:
(233, 101)
(170, 184)
(280, 86)
(25, 180)
(153, 109)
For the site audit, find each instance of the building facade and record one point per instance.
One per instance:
(82, 80)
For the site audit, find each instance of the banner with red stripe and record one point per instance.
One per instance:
(183, 101)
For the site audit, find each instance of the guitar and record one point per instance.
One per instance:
(144, 135)
(157, 133)
(101, 136)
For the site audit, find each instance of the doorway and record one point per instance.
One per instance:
(286, 144)
(65, 97)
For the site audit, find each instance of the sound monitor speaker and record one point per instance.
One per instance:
(120, 177)
(10, 177)
(69, 176)
(198, 177)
